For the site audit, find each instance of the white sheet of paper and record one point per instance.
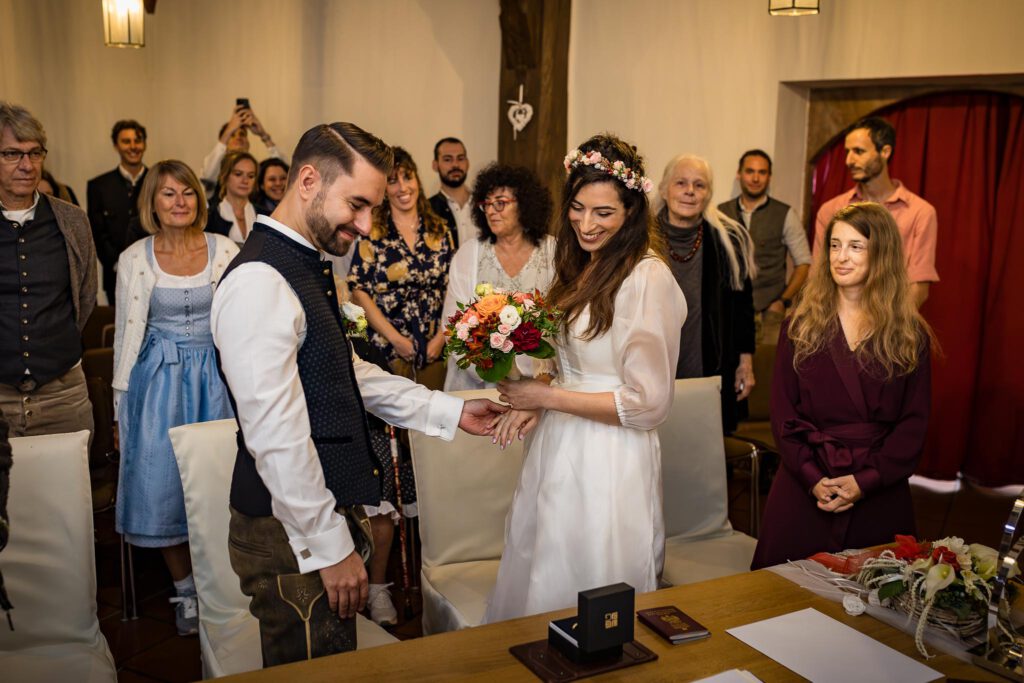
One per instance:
(819, 648)
(731, 676)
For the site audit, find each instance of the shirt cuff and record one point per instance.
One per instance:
(325, 549)
(443, 414)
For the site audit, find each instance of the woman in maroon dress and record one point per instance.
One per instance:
(850, 397)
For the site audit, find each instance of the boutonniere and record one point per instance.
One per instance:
(355, 320)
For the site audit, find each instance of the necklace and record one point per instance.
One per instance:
(693, 250)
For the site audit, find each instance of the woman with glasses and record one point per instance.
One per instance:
(513, 252)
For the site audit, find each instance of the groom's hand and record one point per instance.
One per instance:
(479, 415)
(346, 585)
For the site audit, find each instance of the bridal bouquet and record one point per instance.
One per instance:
(491, 330)
(947, 583)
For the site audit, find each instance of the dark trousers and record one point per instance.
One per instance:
(296, 622)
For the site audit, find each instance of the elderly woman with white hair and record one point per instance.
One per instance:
(712, 258)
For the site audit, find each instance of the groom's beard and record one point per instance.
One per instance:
(335, 240)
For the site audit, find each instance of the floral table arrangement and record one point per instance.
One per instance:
(945, 583)
(490, 331)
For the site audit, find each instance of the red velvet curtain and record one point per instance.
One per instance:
(964, 153)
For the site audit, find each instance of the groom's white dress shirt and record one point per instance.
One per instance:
(258, 327)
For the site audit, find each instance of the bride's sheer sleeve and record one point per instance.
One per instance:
(649, 313)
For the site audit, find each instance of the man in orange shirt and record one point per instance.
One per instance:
(870, 143)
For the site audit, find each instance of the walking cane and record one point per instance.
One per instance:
(406, 583)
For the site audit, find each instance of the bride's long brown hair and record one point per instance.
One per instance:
(897, 332)
(582, 281)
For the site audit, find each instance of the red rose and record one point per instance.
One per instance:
(946, 556)
(525, 338)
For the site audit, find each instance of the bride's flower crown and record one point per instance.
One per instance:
(616, 169)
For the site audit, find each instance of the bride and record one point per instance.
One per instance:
(587, 511)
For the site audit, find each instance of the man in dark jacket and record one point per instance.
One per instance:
(452, 201)
(113, 200)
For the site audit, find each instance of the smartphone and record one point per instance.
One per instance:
(242, 103)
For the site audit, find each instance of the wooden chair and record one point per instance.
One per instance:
(92, 333)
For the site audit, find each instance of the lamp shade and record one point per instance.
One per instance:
(793, 8)
(123, 23)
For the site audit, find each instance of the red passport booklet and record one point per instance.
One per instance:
(672, 624)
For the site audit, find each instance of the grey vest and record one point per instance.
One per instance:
(769, 250)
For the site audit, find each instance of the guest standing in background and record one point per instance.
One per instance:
(452, 201)
(271, 181)
(712, 258)
(399, 275)
(850, 397)
(48, 280)
(513, 251)
(232, 214)
(165, 366)
(113, 199)
(234, 137)
(870, 145)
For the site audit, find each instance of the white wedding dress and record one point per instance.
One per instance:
(587, 511)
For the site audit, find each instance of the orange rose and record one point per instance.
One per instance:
(490, 305)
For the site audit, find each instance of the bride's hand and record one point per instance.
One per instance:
(524, 394)
(514, 422)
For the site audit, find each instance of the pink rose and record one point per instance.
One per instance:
(507, 346)
(498, 341)
(462, 331)
(504, 329)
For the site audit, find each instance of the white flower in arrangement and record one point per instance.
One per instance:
(462, 331)
(939, 577)
(956, 546)
(510, 316)
(986, 560)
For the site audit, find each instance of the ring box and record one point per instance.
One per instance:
(602, 625)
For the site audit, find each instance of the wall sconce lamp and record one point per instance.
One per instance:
(124, 23)
(793, 8)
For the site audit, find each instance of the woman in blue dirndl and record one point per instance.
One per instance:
(165, 365)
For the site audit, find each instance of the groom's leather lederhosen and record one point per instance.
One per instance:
(295, 620)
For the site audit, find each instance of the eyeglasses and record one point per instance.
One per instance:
(496, 204)
(14, 156)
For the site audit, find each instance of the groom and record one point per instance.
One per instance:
(304, 465)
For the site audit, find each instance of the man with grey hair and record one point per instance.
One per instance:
(47, 289)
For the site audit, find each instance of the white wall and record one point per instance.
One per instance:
(704, 76)
(409, 71)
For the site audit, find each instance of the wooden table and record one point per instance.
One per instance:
(482, 653)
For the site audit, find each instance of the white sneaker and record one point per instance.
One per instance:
(186, 614)
(382, 609)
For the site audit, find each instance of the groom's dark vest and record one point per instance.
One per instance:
(336, 415)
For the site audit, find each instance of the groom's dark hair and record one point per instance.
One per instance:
(332, 149)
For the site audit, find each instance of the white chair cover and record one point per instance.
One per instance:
(229, 635)
(464, 489)
(49, 566)
(700, 542)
